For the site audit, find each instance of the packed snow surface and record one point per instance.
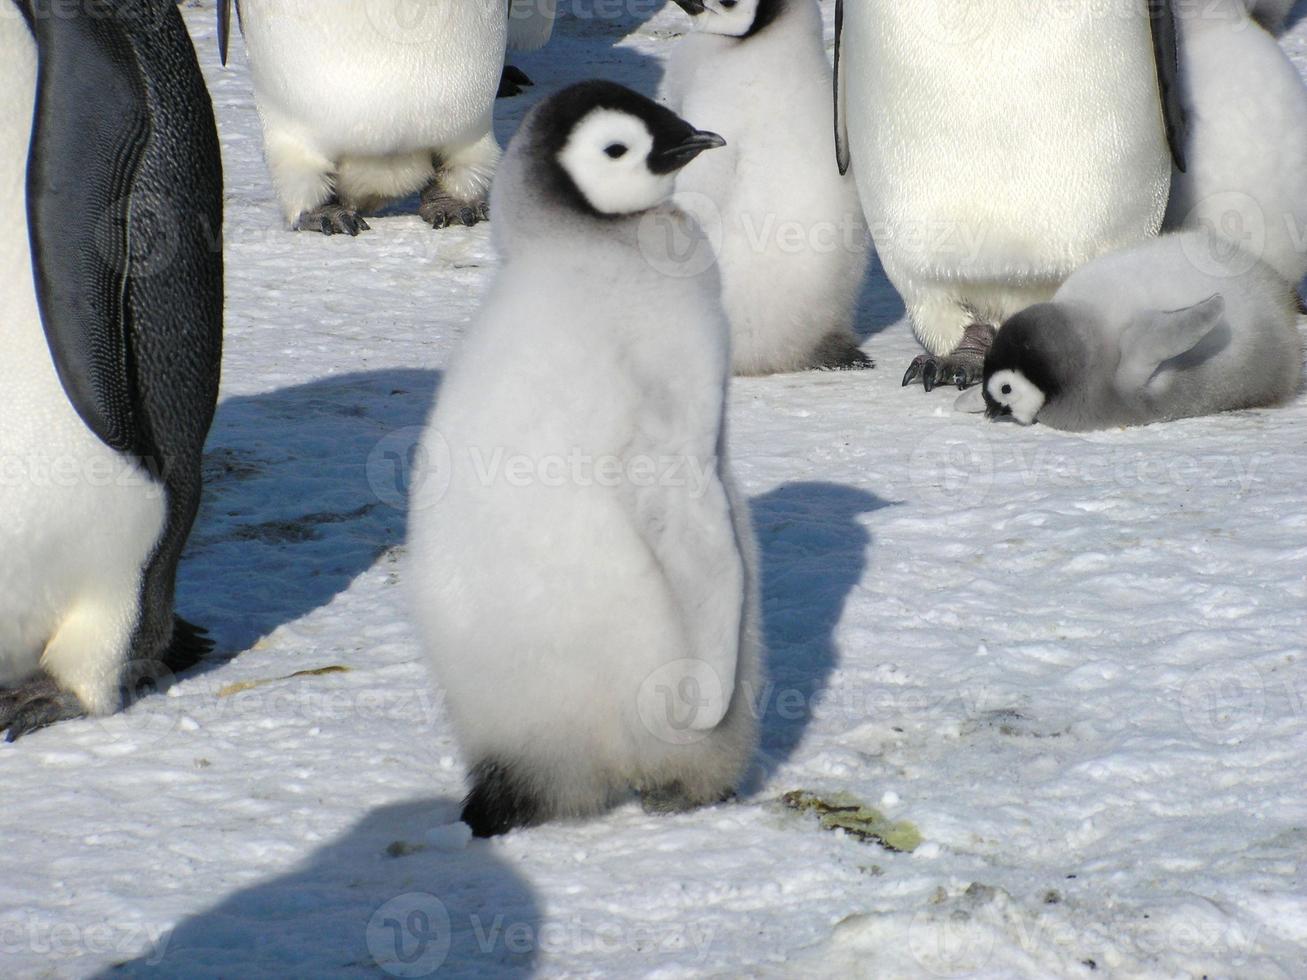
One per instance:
(1076, 664)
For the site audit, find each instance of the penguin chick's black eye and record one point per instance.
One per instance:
(728, 4)
(1006, 389)
(616, 150)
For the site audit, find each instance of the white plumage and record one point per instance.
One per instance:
(80, 521)
(578, 548)
(1247, 146)
(368, 101)
(791, 241)
(999, 146)
(530, 23)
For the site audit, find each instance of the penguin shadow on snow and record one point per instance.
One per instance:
(879, 304)
(305, 489)
(813, 552)
(382, 897)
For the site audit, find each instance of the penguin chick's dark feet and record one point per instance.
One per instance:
(332, 218)
(673, 798)
(500, 800)
(964, 367)
(439, 210)
(36, 704)
(838, 352)
(512, 82)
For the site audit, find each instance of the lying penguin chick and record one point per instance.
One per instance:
(1183, 325)
(365, 103)
(584, 576)
(793, 245)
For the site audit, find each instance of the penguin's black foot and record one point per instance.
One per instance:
(36, 704)
(964, 367)
(512, 82)
(439, 210)
(838, 352)
(332, 218)
(500, 800)
(673, 798)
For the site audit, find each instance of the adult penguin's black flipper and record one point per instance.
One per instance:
(842, 156)
(1166, 52)
(224, 29)
(90, 133)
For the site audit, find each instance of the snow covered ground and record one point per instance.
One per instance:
(1078, 664)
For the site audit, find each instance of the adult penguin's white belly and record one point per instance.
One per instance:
(78, 521)
(415, 75)
(999, 146)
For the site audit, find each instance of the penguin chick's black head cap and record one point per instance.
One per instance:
(764, 13)
(1022, 344)
(675, 141)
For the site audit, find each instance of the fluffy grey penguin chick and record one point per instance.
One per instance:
(792, 244)
(1187, 324)
(583, 569)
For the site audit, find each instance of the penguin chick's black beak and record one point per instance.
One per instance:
(691, 7)
(675, 157)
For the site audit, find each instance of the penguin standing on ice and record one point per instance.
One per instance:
(110, 340)
(583, 570)
(999, 146)
(793, 249)
(364, 102)
(530, 25)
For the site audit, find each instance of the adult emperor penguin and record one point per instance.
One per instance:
(997, 147)
(583, 569)
(110, 339)
(530, 25)
(792, 247)
(364, 102)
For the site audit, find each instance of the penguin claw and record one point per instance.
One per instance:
(34, 706)
(332, 219)
(964, 367)
(441, 211)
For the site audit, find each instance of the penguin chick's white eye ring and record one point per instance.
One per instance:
(616, 150)
(1006, 389)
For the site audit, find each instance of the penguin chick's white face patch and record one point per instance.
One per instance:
(1013, 391)
(607, 157)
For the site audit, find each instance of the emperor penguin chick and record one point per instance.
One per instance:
(1180, 326)
(584, 576)
(364, 103)
(793, 246)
